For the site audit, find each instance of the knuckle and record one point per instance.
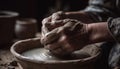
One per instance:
(60, 12)
(63, 39)
(44, 21)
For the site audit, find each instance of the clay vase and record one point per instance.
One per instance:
(26, 28)
(7, 22)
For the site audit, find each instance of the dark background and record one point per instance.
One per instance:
(41, 8)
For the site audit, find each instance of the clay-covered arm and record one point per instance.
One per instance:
(99, 32)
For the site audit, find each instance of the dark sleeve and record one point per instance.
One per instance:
(114, 27)
(101, 10)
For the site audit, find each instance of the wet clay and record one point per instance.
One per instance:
(44, 55)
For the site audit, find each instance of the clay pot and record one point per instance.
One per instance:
(26, 28)
(7, 22)
(24, 45)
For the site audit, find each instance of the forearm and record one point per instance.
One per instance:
(81, 16)
(99, 32)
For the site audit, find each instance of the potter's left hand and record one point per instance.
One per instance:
(73, 35)
(51, 22)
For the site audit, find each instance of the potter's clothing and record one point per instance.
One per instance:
(114, 27)
(101, 10)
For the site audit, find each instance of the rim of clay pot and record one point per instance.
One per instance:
(26, 21)
(5, 14)
(23, 58)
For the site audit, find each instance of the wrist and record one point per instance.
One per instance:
(98, 32)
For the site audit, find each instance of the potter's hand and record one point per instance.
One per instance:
(52, 22)
(73, 35)
(49, 23)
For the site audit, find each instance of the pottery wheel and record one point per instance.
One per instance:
(44, 55)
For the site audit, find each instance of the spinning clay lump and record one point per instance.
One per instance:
(43, 55)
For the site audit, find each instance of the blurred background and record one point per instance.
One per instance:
(41, 8)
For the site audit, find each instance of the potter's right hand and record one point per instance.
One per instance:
(73, 35)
